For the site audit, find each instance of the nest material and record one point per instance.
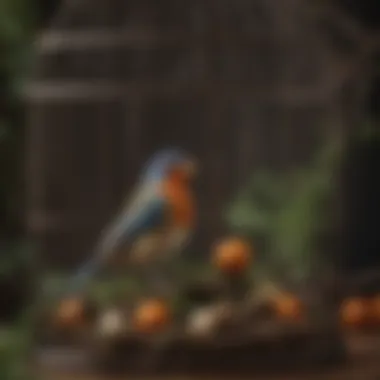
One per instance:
(247, 341)
(242, 337)
(291, 348)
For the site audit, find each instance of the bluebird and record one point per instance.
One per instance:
(155, 224)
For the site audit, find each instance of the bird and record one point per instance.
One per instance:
(156, 222)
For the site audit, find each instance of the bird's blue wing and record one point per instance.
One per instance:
(145, 211)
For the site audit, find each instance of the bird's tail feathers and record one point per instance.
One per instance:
(84, 275)
(108, 243)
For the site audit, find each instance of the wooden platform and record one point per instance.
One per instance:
(363, 363)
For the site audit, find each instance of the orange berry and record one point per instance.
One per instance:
(288, 307)
(70, 313)
(151, 316)
(232, 256)
(355, 312)
(375, 310)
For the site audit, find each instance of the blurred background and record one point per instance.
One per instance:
(279, 100)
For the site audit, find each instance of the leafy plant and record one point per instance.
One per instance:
(15, 256)
(17, 28)
(285, 214)
(15, 349)
(17, 280)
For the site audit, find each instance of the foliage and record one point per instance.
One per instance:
(111, 288)
(285, 214)
(15, 349)
(21, 254)
(17, 27)
(369, 133)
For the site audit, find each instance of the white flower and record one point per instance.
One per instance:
(205, 320)
(111, 323)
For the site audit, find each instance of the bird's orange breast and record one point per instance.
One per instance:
(181, 203)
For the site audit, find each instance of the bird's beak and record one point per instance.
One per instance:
(190, 167)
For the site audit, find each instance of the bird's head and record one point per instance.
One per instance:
(170, 162)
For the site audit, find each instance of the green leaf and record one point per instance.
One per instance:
(288, 211)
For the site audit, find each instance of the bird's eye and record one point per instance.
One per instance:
(189, 168)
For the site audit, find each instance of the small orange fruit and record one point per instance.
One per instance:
(289, 307)
(375, 310)
(151, 316)
(232, 255)
(71, 313)
(355, 312)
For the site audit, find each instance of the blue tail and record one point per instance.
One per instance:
(85, 274)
